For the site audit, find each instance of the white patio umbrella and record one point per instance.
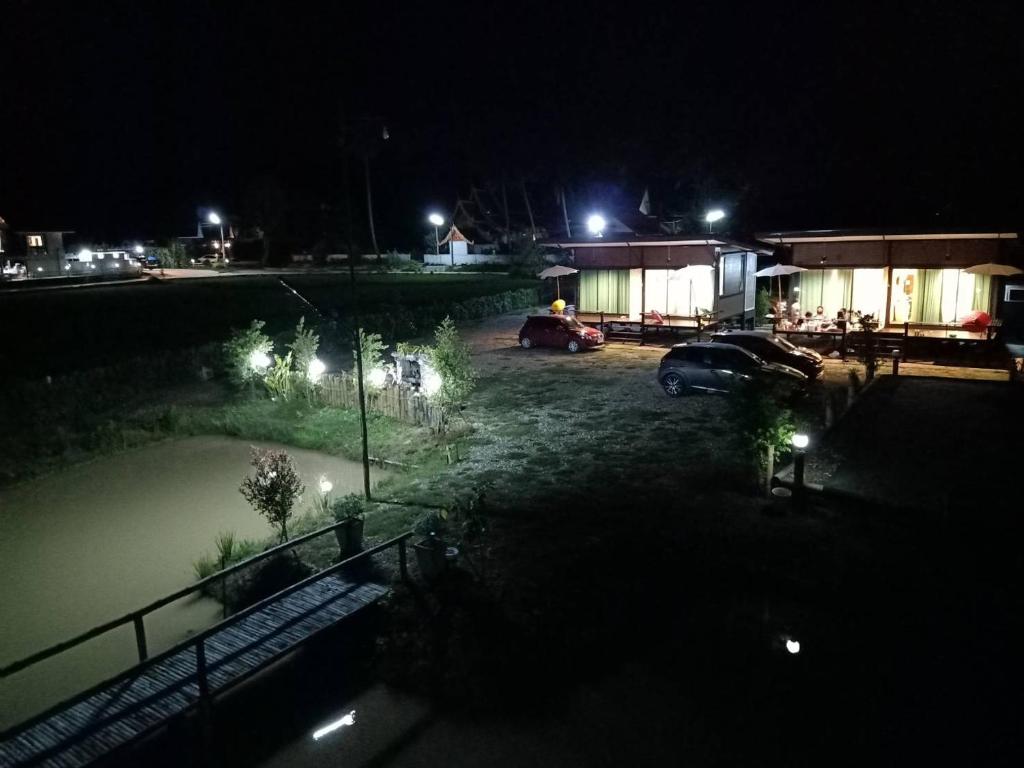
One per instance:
(778, 270)
(990, 268)
(557, 272)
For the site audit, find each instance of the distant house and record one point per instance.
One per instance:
(666, 280)
(897, 277)
(40, 251)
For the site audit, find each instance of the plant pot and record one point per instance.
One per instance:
(430, 557)
(350, 537)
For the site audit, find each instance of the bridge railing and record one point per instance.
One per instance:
(137, 617)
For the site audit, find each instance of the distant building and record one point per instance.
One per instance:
(39, 251)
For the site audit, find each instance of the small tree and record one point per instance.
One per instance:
(453, 362)
(274, 489)
(373, 348)
(304, 347)
(240, 350)
(764, 428)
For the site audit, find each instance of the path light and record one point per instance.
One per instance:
(596, 224)
(377, 377)
(316, 369)
(793, 646)
(800, 441)
(349, 719)
(430, 381)
(259, 360)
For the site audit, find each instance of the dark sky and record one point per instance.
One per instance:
(122, 119)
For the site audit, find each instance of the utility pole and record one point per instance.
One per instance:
(369, 203)
(504, 204)
(565, 215)
(529, 210)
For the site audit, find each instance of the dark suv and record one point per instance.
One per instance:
(710, 367)
(774, 349)
(559, 331)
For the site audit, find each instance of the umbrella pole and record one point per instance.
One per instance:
(558, 287)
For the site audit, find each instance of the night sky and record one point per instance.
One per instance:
(123, 119)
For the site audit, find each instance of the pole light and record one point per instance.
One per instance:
(800, 443)
(596, 224)
(216, 220)
(139, 249)
(437, 220)
(716, 214)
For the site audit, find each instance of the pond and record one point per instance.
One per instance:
(95, 541)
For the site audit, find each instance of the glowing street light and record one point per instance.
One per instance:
(596, 224)
(216, 220)
(437, 220)
(716, 214)
(345, 720)
(793, 646)
(139, 249)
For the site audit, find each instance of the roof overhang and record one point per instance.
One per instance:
(653, 242)
(836, 236)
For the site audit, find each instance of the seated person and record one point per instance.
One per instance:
(841, 319)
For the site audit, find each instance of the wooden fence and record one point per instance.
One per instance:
(342, 390)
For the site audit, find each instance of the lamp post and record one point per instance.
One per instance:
(216, 220)
(596, 224)
(800, 442)
(712, 216)
(437, 220)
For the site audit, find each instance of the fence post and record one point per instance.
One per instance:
(140, 636)
(403, 567)
(204, 683)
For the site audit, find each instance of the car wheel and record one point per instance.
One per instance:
(526, 342)
(574, 345)
(674, 384)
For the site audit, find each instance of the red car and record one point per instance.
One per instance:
(559, 331)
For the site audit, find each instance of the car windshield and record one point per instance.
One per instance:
(573, 323)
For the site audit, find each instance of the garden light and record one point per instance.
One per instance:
(326, 486)
(793, 646)
(430, 381)
(316, 369)
(800, 441)
(139, 249)
(259, 360)
(349, 719)
(377, 377)
(596, 224)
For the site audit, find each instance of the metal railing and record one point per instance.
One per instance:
(137, 617)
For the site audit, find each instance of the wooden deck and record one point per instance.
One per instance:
(122, 710)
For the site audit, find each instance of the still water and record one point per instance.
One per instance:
(93, 542)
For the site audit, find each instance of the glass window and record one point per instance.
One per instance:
(938, 295)
(731, 280)
(35, 241)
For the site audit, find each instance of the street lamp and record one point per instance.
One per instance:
(712, 216)
(139, 249)
(596, 224)
(216, 220)
(437, 220)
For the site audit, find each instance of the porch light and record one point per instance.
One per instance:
(316, 369)
(596, 224)
(715, 215)
(259, 360)
(800, 441)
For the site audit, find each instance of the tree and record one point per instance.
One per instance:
(274, 489)
(764, 428)
(303, 353)
(244, 353)
(453, 362)
(265, 207)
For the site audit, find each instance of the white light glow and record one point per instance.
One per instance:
(596, 224)
(316, 369)
(430, 381)
(793, 646)
(800, 441)
(349, 719)
(92, 266)
(139, 249)
(259, 361)
(716, 215)
(213, 218)
(67, 266)
(85, 255)
(39, 269)
(227, 244)
(376, 377)
(436, 219)
(216, 244)
(326, 486)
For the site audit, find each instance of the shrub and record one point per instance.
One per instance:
(350, 507)
(452, 360)
(279, 377)
(304, 348)
(760, 423)
(239, 351)
(372, 348)
(275, 488)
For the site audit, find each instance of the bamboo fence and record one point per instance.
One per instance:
(341, 390)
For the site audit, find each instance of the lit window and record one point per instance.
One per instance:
(35, 241)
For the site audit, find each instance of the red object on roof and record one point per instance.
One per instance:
(456, 236)
(976, 321)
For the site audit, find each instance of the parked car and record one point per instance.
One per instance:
(559, 331)
(716, 367)
(774, 349)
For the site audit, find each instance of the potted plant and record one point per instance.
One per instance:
(349, 510)
(431, 548)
